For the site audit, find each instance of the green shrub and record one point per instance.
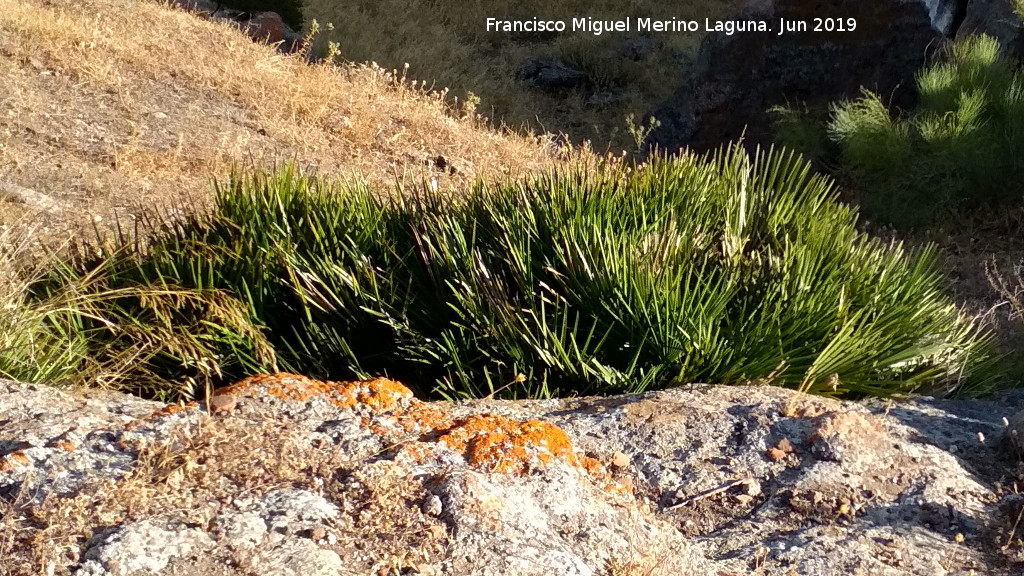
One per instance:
(715, 269)
(90, 326)
(959, 149)
(799, 128)
(67, 324)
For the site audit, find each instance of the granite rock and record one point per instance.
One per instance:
(309, 477)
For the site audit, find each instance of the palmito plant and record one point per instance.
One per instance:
(725, 268)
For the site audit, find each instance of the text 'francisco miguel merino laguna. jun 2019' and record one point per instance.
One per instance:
(729, 27)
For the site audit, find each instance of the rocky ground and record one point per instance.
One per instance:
(286, 475)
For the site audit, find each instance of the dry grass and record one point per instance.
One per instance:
(447, 44)
(114, 106)
(198, 473)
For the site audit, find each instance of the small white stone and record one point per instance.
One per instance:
(752, 487)
(432, 506)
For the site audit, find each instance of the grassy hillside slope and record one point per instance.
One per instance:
(447, 43)
(109, 104)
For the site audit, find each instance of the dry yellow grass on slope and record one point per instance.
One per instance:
(448, 43)
(111, 105)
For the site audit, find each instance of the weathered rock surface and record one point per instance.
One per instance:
(737, 78)
(945, 15)
(997, 19)
(286, 475)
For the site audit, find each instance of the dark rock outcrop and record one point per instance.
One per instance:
(737, 78)
(997, 19)
(266, 27)
(946, 15)
(551, 74)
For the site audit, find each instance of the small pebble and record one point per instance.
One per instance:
(620, 460)
(752, 488)
(432, 506)
(223, 403)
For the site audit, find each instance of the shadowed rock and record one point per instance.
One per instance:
(737, 78)
(551, 74)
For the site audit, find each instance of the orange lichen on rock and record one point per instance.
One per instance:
(18, 457)
(291, 387)
(499, 444)
(592, 466)
(378, 393)
(65, 445)
(503, 445)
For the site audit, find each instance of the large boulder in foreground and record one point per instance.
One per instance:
(738, 77)
(285, 475)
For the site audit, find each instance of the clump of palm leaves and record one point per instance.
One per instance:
(725, 268)
(66, 324)
(36, 344)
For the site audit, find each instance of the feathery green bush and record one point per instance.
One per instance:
(959, 149)
(723, 269)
